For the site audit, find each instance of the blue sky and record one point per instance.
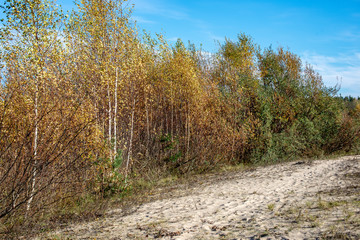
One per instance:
(325, 34)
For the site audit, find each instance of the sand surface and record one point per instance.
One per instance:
(296, 200)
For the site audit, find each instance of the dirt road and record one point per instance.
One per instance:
(297, 200)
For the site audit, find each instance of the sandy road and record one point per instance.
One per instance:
(297, 200)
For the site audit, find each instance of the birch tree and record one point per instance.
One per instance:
(32, 27)
(99, 32)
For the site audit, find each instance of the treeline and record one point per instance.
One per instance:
(87, 104)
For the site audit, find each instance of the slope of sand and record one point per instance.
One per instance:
(297, 200)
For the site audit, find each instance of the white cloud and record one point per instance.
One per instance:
(173, 39)
(159, 7)
(341, 69)
(139, 19)
(348, 35)
(214, 37)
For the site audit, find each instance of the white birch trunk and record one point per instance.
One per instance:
(131, 139)
(34, 173)
(115, 115)
(147, 130)
(109, 113)
(188, 134)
